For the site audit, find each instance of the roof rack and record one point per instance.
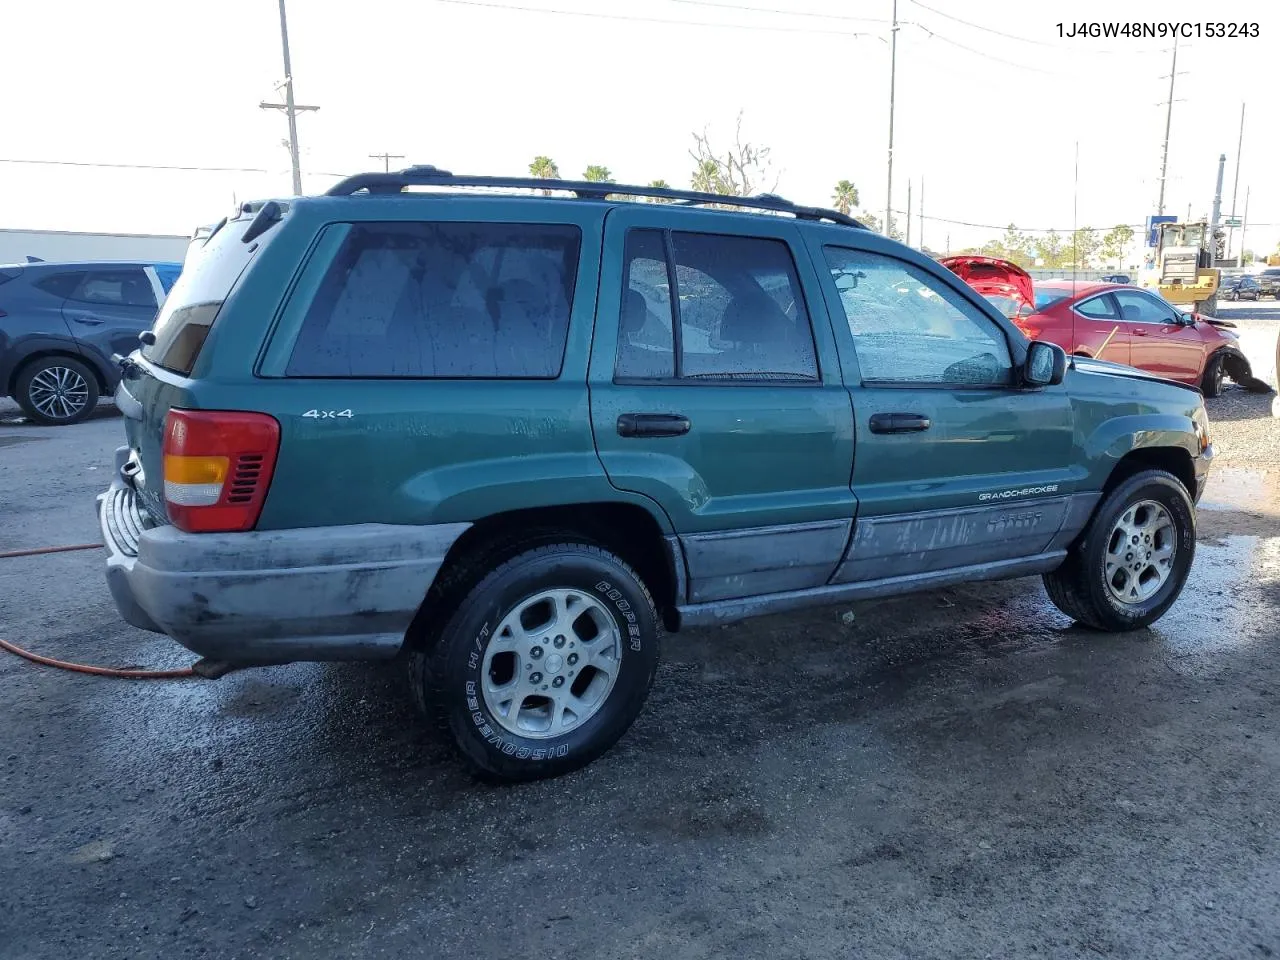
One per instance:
(429, 176)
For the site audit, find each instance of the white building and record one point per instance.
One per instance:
(60, 245)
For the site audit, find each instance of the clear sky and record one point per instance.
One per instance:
(989, 121)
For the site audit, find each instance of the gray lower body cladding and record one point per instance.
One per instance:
(322, 593)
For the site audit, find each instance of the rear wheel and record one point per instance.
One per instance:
(1134, 558)
(55, 391)
(545, 663)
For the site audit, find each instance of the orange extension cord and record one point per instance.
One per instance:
(122, 673)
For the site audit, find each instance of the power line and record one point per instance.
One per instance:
(787, 13)
(934, 35)
(133, 166)
(633, 19)
(978, 26)
(1013, 36)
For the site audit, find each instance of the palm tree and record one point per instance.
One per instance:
(659, 184)
(707, 179)
(597, 174)
(845, 197)
(544, 168)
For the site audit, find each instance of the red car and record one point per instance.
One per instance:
(1112, 321)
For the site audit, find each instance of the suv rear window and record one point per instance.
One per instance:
(193, 304)
(470, 300)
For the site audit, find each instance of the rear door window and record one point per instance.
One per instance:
(1098, 308)
(740, 312)
(118, 288)
(426, 300)
(60, 284)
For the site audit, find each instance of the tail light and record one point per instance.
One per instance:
(217, 468)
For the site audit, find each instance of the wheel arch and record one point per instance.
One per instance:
(1174, 460)
(631, 531)
(53, 348)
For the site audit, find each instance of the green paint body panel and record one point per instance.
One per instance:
(420, 451)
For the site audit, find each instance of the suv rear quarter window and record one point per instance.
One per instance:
(442, 300)
(207, 279)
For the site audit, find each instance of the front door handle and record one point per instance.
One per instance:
(87, 321)
(653, 425)
(899, 422)
(1139, 331)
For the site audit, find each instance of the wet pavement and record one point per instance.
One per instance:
(959, 773)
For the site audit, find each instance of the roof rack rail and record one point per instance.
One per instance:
(429, 176)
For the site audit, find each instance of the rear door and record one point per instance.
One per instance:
(1161, 343)
(109, 308)
(956, 465)
(715, 392)
(1099, 331)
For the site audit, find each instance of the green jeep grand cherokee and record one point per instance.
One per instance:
(513, 435)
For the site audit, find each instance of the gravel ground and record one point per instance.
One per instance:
(955, 774)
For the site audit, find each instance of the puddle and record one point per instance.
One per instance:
(1226, 604)
(1238, 488)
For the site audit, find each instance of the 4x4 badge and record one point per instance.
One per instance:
(328, 414)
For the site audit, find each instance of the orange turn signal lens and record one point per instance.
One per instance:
(178, 469)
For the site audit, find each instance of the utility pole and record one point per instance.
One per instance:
(1244, 225)
(1168, 121)
(908, 241)
(386, 159)
(1217, 212)
(1235, 187)
(290, 108)
(893, 73)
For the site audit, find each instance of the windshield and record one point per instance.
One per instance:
(1009, 306)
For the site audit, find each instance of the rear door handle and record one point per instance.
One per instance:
(653, 425)
(899, 422)
(1139, 331)
(87, 321)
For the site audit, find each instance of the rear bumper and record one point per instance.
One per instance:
(320, 593)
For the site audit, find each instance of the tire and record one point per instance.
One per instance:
(1235, 295)
(1081, 587)
(56, 391)
(1215, 374)
(462, 672)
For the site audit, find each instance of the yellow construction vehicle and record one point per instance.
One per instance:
(1182, 270)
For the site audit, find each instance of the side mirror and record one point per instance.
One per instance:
(1188, 320)
(1045, 366)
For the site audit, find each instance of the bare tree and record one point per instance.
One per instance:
(739, 171)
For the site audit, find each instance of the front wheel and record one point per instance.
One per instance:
(545, 664)
(1134, 558)
(1215, 374)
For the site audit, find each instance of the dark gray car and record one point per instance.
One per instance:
(60, 324)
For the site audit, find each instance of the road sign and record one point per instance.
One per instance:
(1153, 230)
(1231, 222)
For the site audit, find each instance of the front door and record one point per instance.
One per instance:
(1161, 342)
(956, 466)
(716, 393)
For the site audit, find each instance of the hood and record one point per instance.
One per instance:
(991, 275)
